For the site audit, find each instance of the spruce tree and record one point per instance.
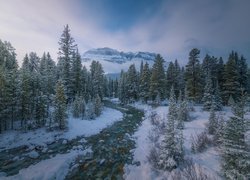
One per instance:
(76, 73)
(235, 153)
(194, 76)
(170, 78)
(96, 79)
(171, 148)
(60, 106)
(157, 80)
(231, 86)
(217, 98)
(97, 105)
(212, 121)
(208, 94)
(132, 83)
(122, 89)
(66, 51)
(145, 83)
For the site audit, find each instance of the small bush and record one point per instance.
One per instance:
(200, 142)
(191, 171)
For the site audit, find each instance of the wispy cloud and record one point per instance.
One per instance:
(172, 30)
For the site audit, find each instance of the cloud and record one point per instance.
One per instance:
(172, 30)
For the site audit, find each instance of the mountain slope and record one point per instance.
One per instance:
(114, 61)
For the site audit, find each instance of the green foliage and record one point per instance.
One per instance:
(193, 76)
(60, 115)
(145, 83)
(235, 152)
(157, 80)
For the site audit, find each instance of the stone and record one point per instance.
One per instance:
(33, 154)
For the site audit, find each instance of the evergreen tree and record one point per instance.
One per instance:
(157, 79)
(97, 105)
(76, 73)
(220, 73)
(170, 78)
(183, 112)
(9, 86)
(231, 86)
(132, 84)
(208, 94)
(242, 69)
(210, 68)
(212, 121)
(217, 98)
(60, 115)
(97, 79)
(180, 114)
(122, 92)
(66, 51)
(145, 83)
(171, 148)
(194, 76)
(235, 153)
(79, 107)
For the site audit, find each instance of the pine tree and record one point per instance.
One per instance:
(210, 68)
(9, 86)
(97, 79)
(145, 83)
(242, 69)
(235, 153)
(208, 94)
(171, 148)
(220, 73)
(122, 89)
(217, 98)
(60, 115)
(76, 73)
(194, 76)
(170, 78)
(79, 107)
(97, 105)
(231, 86)
(157, 80)
(212, 121)
(132, 84)
(66, 51)
(180, 114)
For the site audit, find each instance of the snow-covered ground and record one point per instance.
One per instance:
(209, 160)
(76, 127)
(54, 168)
(143, 146)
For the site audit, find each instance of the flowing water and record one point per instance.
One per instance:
(111, 150)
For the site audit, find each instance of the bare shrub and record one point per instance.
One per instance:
(153, 157)
(199, 142)
(191, 171)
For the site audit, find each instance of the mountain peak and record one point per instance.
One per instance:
(114, 60)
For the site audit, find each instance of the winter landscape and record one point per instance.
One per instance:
(124, 90)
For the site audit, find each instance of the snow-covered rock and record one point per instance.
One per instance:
(33, 154)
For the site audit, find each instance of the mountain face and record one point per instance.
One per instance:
(114, 61)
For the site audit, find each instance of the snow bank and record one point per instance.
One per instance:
(143, 146)
(209, 160)
(54, 168)
(77, 127)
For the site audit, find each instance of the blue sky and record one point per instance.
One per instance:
(170, 28)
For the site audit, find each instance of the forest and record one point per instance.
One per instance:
(43, 93)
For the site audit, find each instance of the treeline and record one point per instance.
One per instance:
(42, 93)
(206, 81)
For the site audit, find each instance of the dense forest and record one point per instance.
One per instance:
(42, 93)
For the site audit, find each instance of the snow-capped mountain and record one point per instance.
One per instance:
(114, 61)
